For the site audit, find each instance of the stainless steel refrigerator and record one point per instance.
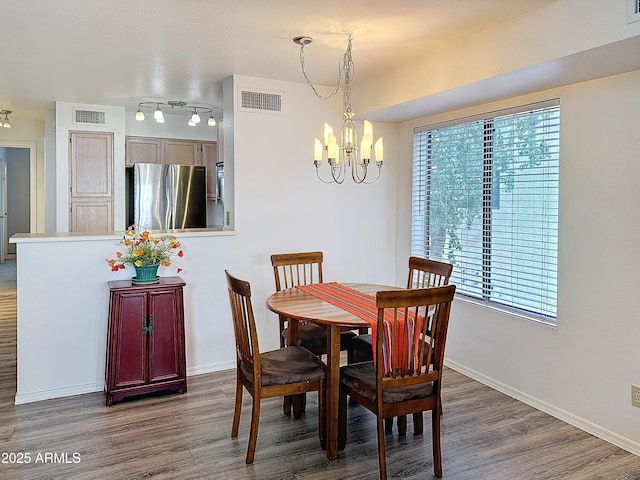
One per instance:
(164, 196)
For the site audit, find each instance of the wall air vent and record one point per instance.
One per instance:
(260, 102)
(89, 117)
(633, 11)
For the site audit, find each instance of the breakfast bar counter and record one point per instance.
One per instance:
(63, 308)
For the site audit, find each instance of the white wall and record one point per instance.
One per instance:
(281, 206)
(582, 370)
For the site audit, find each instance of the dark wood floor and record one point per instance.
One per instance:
(486, 435)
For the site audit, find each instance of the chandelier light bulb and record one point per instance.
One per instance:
(379, 150)
(139, 115)
(6, 123)
(365, 148)
(191, 123)
(317, 152)
(211, 122)
(195, 118)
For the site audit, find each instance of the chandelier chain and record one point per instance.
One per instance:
(345, 67)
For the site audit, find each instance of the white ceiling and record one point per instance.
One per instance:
(120, 52)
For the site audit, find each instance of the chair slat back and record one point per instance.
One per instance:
(244, 326)
(409, 349)
(425, 273)
(293, 269)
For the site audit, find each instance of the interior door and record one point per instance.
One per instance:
(4, 240)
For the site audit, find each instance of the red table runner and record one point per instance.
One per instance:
(364, 306)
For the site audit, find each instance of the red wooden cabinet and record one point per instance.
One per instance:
(145, 343)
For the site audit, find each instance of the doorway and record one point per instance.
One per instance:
(15, 193)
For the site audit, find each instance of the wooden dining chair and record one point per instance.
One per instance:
(423, 273)
(410, 379)
(289, 271)
(285, 371)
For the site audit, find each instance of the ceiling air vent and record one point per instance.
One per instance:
(89, 117)
(261, 101)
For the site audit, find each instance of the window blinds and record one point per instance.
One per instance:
(485, 198)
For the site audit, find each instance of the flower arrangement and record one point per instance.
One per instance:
(140, 249)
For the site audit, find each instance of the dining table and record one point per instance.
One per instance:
(298, 305)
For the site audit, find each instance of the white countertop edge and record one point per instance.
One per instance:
(77, 236)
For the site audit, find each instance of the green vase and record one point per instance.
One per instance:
(146, 274)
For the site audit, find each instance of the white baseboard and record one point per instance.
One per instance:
(22, 398)
(58, 393)
(582, 424)
(214, 367)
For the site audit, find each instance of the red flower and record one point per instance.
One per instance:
(180, 253)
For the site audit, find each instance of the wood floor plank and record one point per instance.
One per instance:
(485, 435)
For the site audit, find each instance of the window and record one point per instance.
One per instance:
(485, 198)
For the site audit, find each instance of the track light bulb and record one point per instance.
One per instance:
(158, 115)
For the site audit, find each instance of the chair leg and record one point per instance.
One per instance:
(322, 416)
(342, 419)
(286, 404)
(299, 403)
(402, 425)
(388, 425)
(382, 459)
(418, 426)
(253, 434)
(282, 327)
(237, 409)
(437, 451)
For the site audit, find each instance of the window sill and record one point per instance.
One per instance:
(513, 312)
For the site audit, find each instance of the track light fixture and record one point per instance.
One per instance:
(192, 110)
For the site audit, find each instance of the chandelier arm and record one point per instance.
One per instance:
(377, 177)
(320, 176)
(342, 173)
(354, 172)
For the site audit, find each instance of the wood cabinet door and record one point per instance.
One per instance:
(142, 150)
(129, 347)
(165, 341)
(93, 217)
(182, 152)
(91, 182)
(210, 158)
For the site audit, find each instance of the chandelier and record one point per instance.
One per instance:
(5, 123)
(346, 155)
(191, 110)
